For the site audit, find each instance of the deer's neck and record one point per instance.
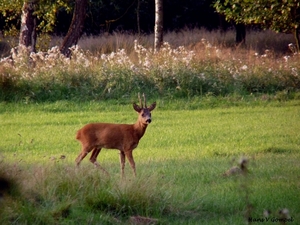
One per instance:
(140, 128)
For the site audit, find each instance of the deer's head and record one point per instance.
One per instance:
(144, 111)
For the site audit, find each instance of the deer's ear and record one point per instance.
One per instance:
(136, 108)
(152, 106)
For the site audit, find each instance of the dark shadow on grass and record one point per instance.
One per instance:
(277, 150)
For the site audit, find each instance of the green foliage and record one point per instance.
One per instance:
(44, 10)
(275, 15)
(270, 14)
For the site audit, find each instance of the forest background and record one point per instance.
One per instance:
(109, 16)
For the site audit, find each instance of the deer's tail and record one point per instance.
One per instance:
(78, 135)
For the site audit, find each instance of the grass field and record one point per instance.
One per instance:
(180, 162)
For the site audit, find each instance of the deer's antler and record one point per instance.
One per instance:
(141, 104)
(145, 105)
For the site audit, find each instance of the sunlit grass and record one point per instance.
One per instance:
(232, 130)
(180, 164)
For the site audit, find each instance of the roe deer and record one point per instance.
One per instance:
(124, 137)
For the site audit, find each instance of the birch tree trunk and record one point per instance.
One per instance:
(28, 26)
(138, 17)
(158, 29)
(76, 27)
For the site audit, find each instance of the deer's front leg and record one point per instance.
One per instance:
(122, 162)
(131, 161)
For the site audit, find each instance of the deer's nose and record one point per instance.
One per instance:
(148, 121)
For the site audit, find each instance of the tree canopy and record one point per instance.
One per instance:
(45, 11)
(110, 15)
(281, 16)
(132, 15)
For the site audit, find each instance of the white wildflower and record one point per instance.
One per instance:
(286, 58)
(202, 76)
(208, 45)
(295, 72)
(218, 53)
(244, 67)
(293, 48)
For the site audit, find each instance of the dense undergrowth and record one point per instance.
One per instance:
(200, 69)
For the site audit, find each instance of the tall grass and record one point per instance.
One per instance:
(191, 63)
(54, 193)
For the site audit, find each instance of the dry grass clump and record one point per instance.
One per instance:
(50, 193)
(257, 41)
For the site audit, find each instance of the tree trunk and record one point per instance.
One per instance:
(138, 18)
(76, 27)
(158, 29)
(28, 26)
(240, 38)
(296, 35)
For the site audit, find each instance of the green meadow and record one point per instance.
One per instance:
(181, 164)
(223, 147)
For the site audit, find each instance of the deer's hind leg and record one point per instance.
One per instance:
(93, 159)
(81, 156)
(84, 151)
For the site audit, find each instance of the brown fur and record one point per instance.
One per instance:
(124, 137)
